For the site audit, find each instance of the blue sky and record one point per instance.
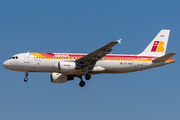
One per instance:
(82, 27)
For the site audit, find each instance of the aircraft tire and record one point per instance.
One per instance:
(25, 79)
(88, 76)
(82, 83)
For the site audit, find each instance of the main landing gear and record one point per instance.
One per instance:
(26, 79)
(88, 76)
(82, 83)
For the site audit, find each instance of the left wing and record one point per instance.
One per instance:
(91, 58)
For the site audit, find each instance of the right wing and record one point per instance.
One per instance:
(91, 58)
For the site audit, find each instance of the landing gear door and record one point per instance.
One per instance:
(26, 58)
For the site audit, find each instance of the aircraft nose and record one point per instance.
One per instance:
(5, 64)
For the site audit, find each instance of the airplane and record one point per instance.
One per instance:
(65, 66)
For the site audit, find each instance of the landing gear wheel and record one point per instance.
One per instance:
(82, 83)
(25, 79)
(88, 76)
(26, 74)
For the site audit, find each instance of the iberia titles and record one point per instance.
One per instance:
(61, 55)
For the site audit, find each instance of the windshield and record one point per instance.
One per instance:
(14, 57)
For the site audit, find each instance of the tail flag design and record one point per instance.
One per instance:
(158, 46)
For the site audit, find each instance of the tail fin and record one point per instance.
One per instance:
(158, 45)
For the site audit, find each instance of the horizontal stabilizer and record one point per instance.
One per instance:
(165, 57)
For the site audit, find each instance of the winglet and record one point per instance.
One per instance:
(119, 41)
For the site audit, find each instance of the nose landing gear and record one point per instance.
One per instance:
(26, 79)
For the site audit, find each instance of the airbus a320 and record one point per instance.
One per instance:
(65, 66)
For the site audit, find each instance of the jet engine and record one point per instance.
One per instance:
(60, 78)
(65, 66)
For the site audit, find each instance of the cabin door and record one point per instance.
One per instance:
(26, 58)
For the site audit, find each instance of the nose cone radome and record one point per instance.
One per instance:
(5, 64)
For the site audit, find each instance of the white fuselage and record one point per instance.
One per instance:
(25, 62)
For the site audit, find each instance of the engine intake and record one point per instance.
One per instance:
(60, 78)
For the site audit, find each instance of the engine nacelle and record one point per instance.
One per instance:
(60, 78)
(65, 66)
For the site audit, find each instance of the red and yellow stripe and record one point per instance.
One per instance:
(107, 57)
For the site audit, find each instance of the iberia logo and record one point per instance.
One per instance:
(158, 46)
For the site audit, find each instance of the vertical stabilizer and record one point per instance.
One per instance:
(158, 45)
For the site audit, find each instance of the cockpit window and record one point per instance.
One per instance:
(14, 57)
